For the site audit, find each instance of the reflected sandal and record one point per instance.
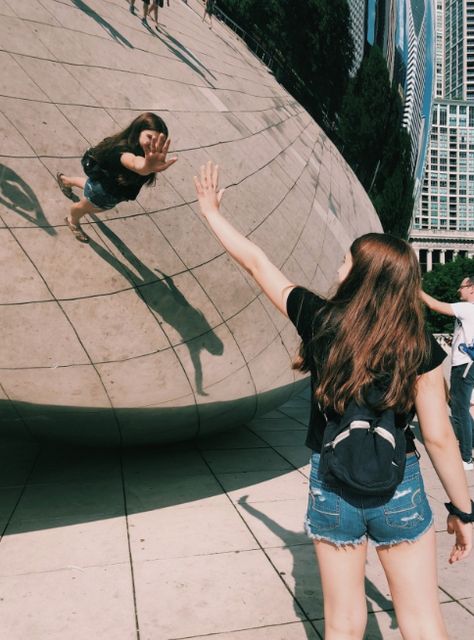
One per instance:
(77, 231)
(67, 191)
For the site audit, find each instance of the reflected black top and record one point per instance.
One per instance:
(118, 180)
(301, 306)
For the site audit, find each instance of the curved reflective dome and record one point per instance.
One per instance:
(151, 333)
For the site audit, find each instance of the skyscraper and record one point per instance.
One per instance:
(415, 74)
(443, 222)
(358, 10)
(385, 31)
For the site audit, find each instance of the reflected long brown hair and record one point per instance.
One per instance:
(128, 139)
(372, 330)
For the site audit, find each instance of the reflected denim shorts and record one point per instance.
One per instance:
(98, 196)
(337, 516)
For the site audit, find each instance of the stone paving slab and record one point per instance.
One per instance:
(74, 603)
(208, 594)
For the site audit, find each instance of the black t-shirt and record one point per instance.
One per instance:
(301, 306)
(118, 180)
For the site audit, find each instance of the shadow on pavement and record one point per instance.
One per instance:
(112, 31)
(165, 299)
(19, 197)
(183, 54)
(306, 577)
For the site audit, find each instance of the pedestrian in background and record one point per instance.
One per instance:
(462, 369)
(209, 11)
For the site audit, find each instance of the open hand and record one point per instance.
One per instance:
(463, 535)
(207, 188)
(155, 154)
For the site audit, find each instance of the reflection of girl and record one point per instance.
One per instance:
(370, 331)
(125, 162)
(209, 11)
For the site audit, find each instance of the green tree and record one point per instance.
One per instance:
(320, 50)
(372, 140)
(442, 283)
(365, 116)
(392, 194)
(311, 39)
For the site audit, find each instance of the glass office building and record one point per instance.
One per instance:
(443, 222)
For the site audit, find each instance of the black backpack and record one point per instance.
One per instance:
(91, 167)
(364, 451)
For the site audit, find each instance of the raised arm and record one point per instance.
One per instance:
(154, 160)
(443, 450)
(436, 305)
(271, 280)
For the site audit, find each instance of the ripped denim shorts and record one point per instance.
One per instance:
(98, 196)
(337, 516)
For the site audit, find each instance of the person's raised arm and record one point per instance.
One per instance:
(271, 280)
(154, 160)
(443, 450)
(436, 305)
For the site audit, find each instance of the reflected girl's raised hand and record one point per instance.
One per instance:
(155, 154)
(207, 188)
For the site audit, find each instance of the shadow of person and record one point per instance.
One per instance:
(112, 31)
(18, 196)
(183, 54)
(306, 578)
(164, 298)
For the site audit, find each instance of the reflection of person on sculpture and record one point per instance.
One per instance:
(126, 161)
(163, 297)
(209, 11)
(347, 344)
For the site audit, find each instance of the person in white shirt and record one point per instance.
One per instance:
(462, 365)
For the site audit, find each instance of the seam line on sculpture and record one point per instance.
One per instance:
(63, 27)
(22, 492)
(17, 413)
(58, 105)
(155, 318)
(188, 204)
(173, 81)
(66, 317)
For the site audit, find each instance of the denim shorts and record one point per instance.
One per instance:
(337, 516)
(98, 196)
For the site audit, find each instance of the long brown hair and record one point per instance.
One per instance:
(129, 138)
(372, 330)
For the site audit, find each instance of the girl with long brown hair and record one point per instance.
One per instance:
(371, 332)
(117, 168)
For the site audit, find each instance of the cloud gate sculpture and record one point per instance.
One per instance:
(151, 333)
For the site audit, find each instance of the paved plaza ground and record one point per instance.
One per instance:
(188, 541)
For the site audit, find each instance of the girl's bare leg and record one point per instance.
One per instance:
(410, 568)
(342, 576)
(75, 181)
(78, 210)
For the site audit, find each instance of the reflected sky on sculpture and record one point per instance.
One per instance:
(151, 333)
